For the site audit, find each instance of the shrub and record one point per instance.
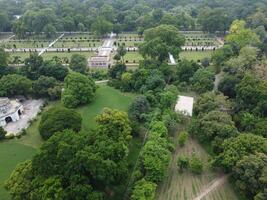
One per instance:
(182, 138)
(196, 165)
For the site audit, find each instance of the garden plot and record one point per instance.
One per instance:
(17, 44)
(188, 186)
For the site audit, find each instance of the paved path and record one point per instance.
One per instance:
(50, 45)
(217, 81)
(172, 60)
(101, 82)
(210, 187)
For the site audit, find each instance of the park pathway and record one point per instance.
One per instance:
(51, 44)
(212, 186)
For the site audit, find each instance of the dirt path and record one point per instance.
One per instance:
(213, 185)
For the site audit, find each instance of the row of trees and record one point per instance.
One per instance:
(103, 17)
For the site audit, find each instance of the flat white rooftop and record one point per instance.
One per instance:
(185, 105)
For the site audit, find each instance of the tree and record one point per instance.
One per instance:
(213, 20)
(160, 41)
(4, 21)
(214, 127)
(4, 69)
(101, 26)
(117, 70)
(78, 90)
(248, 173)
(242, 36)
(121, 51)
(196, 165)
(182, 138)
(183, 163)
(42, 85)
(78, 63)
(248, 92)
(2, 133)
(158, 129)
(19, 182)
(138, 108)
(32, 66)
(211, 101)
(58, 119)
(155, 158)
(228, 85)
(234, 149)
(53, 68)
(49, 30)
(202, 80)
(185, 70)
(14, 84)
(144, 190)
(115, 125)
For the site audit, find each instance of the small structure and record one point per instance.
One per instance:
(10, 111)
(100, 61)
(185, 105)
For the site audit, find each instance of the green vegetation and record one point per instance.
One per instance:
(195, 55)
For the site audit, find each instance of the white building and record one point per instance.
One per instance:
(10, 111)
(185, 105)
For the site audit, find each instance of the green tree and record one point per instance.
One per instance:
(78, 63)
(234, 149)
(215, 127)
(58, 119)
(53, 68)
(242, 36)
(183, 163)
(32, 66)
(101, 26)
(248, 173)
(15, 84)
(182, 138)
(78, 90)
(144, 190)
(202, 81)
(41, 86)
(49, 30)
(185, 70)
(196, 165)
(160, 41)
(138, 108)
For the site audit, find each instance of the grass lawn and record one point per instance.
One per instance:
(195, 55)
(133, 56)
(11, 153)
(105, 97)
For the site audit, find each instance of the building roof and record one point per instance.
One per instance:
(185, 105)
(8, 107)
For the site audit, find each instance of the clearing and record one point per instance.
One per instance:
(188, 186)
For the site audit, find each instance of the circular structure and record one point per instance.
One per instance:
(10, 111)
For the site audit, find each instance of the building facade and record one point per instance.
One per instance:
(10, 111)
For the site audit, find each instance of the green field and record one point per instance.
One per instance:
(195, 55)
(133, 56)
(105, 97)
(11, 153)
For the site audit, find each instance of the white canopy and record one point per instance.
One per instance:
(185, 105)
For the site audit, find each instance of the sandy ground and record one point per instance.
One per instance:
(31, 109)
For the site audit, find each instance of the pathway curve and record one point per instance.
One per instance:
(210, 187)
(51, 44)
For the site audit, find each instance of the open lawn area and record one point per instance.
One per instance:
(106, 97)
(11, 153)
(195, 55)
(133, 56)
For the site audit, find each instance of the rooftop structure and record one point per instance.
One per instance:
(185, 105)
(10, 111)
